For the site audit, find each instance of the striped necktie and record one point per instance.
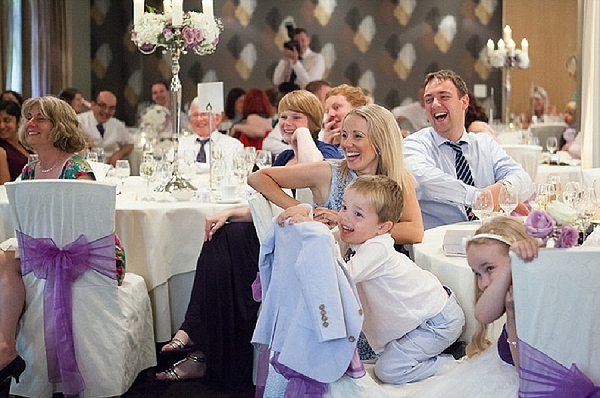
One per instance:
(463, 170)
(201, 157)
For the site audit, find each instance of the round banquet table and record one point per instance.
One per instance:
(162, 241)
(453, 272)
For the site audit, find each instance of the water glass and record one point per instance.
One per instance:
(263, 159)
(507, 199)
(483, 204)
(91, 156)
(250, 153)
(122, 171)
(552, 145)
(32, 158)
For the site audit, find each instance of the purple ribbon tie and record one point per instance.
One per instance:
(60, 268)
(543, 377)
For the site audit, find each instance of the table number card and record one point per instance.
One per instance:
(211, 97)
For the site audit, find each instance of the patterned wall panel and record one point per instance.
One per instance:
(385, 46)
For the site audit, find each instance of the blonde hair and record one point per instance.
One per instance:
(305, 102)
(354, 95)
(383, 193)
(386, 138)
(66, 133)
(512, 231)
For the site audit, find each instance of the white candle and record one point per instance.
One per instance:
(490, 47)
(167, 7)
(507, 33)
(138, 11)
(177, 12)
(511, 47)
(207, 7)
(501, 47)
(525, 46)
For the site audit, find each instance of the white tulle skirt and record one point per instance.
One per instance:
(484, 375)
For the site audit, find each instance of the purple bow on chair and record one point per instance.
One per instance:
(60, 268)
(543, 377)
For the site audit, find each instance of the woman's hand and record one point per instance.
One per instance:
(294, 214)
(213, 223)
(326, 216)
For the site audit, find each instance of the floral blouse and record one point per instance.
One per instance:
(73, 168)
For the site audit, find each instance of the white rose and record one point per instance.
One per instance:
(562, 213)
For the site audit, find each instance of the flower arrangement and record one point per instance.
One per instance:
(155, 118)
(199, 32)
(556, 225)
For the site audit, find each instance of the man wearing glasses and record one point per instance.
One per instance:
(104, 130)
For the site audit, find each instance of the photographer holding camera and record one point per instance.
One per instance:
(299, 64)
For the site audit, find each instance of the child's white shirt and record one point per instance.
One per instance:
(396, 294)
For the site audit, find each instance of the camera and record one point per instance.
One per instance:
(291, 43)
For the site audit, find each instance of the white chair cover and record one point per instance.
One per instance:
(588, 176)
(263, 212)
(557, 297)
(112, 325)
(528, 156)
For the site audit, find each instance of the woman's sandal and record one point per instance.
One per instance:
(178, 346)
(172, 374)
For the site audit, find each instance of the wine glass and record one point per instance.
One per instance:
(240, 167)
(571, 193)
(551, 146)
(507, 199)
(122, 171)
(32, 158)
(250, 153)
(147, 169)
(483, 204)
(263, 159)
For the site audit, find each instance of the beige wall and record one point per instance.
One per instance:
(550, 26)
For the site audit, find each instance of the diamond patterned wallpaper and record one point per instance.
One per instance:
(385, 46)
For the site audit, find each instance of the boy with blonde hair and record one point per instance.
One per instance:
(409, 317)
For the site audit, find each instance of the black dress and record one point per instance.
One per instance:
(222, 314)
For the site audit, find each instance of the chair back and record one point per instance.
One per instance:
(557, 297)
(544, 130)
(263, 212)
(62, 209)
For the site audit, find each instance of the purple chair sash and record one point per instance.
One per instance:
(60, 268)
(542, 377)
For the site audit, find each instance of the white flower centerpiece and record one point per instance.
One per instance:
(177, 33)
(198, 32)
(506, 57)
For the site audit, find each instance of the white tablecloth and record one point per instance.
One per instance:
(453, 272)
(566, 173)
(162, 242)
(528, 156)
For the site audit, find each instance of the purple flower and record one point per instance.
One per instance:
(539, 224)
(188, 36)
(167, 33)
(568, 237)
(198, 35)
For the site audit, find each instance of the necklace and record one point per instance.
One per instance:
(48, 170)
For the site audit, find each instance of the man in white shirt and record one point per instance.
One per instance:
(198, 142)
(299, 65)
(433, 153)
(104, 130)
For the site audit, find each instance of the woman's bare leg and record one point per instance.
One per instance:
(12, 300)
